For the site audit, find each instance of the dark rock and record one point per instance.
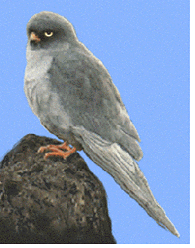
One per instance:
(50, 201)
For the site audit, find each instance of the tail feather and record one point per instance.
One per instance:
(121, 166)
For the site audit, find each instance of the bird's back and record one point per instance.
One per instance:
(90, 98)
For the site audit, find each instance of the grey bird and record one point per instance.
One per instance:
(73, 95)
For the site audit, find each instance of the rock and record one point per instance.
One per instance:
(50, 201)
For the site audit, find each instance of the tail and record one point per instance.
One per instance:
(121, 166)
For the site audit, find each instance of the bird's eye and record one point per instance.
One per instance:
(48, 34)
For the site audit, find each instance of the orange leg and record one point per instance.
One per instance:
(56, 150)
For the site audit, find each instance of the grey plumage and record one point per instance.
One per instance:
(72, 94)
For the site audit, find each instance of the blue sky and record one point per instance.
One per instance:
(144, 44)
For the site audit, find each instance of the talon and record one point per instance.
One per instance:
(56, 150)
(42, 149)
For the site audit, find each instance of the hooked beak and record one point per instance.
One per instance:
(34, 37)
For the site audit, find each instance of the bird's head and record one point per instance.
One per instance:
(47, 29)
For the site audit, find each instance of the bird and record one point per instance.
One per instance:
(72, 94)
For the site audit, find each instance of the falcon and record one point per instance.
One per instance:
(72, 94)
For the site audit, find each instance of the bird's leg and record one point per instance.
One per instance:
(56, 150)
(63, 146)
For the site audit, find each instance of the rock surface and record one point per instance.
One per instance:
(50, 201)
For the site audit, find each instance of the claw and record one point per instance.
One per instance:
(56, 150)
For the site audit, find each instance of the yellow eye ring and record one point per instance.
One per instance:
(48, 34)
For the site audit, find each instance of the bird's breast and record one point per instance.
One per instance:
(42, 98)
(37, 85)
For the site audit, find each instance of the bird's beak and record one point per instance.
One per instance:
(34, 37)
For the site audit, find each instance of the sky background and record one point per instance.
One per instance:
(144, 44)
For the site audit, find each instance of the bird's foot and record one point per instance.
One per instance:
(56, 150)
